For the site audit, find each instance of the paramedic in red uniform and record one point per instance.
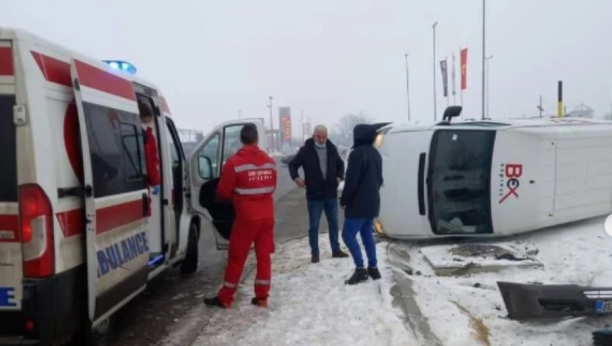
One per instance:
(150, 148)
(249, 180)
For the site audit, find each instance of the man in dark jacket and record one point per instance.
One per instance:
(361, 201)
(323, 171)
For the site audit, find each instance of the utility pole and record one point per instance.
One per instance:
(488, 86)
(484, 52)
(271, 126)
(540, 108)
(408, 84)
(435, 98)
(239, 113)
(302, 128)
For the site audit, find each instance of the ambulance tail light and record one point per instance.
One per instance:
(378, 228)
(36, 232)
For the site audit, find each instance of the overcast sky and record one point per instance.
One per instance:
(331, 57)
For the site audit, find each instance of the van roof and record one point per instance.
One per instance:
(509, 124)
(24, 35)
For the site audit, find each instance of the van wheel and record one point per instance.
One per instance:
(190, 264)
(101, 335)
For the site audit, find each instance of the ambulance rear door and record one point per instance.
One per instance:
(11, 257)
(116, 198)
(205, 167)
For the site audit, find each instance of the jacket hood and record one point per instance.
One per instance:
(363, 134)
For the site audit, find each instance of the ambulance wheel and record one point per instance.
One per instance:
(190, 264)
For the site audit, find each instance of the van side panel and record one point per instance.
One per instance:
(584, 175)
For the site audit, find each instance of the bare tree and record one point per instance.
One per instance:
(343, 130)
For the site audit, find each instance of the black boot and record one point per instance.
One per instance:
(339, 254)
(214, 302)
(360, 275)
(261, 302)
(374, 273)
(315, 259)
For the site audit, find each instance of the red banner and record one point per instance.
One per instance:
(464, 55)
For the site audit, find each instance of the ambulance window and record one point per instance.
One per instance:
(210, 151)
(231, 141)
(8, 152)
(459, 181)
(173, 148)
(117, 150)
(134, 159)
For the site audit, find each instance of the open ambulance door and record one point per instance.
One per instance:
(116, 198)
(206, 164)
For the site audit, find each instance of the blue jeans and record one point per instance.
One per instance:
(315, 209)
(365, 227)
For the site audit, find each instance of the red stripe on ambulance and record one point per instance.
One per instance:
(98, 79)
(72, 222)
(9, 229)
(6, 62)
(55, 71)
(118, 215)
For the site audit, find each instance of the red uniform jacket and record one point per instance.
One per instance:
(249, 180)
(151, 157)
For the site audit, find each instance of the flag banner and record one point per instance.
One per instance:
(285, 123)
(444, 69)
(464, 56)
(454, 80)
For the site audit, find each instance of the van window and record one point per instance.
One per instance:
(116, 145)
(459, 181)
(8, 150)
(210, 151)
(231, 141)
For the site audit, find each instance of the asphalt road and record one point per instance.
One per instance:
(170, 310)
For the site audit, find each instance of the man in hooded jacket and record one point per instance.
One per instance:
(361, 201)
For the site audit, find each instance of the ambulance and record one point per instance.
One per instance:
(492, 178)
(81, 233)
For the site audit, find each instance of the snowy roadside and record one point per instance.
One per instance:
(310, 305)
(469, 310)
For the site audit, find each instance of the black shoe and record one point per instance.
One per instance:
(315, 259)
(374, 273)
(214, 302)
(360, 275)
(339, 254)
(261, 302)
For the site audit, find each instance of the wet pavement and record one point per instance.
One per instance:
(169, 311)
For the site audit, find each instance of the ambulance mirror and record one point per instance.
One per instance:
(206, 167)
(451, 112)
(19, 115)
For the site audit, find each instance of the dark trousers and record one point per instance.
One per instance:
(364, 227)
(316, 207)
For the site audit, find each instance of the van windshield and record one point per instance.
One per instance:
(459, 181)
(8, 150)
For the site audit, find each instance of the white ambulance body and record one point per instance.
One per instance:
(493, 178)
(78, 236)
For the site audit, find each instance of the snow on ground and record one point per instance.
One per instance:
(461, 314)
(311, 305)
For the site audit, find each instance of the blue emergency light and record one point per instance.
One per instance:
(121, 65)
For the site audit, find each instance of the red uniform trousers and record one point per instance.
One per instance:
(244, 233)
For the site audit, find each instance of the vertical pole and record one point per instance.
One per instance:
(272, 144)
(435, 98)
(560, 99)
(484, 47)
(489, 86)
(408, 85)
(541, 108)
(240, 114)
(302, 128)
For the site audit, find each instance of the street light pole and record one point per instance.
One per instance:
(271, 126)
(302, 128)
(484, 52)
(408, 84)
(435, 98)
(489, 86)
